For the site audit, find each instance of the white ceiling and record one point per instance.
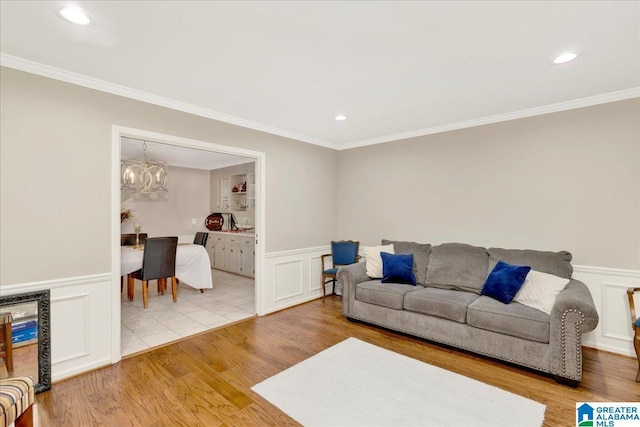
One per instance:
(174, 155)
(395, 69)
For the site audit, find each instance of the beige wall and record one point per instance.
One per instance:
(55, 167)
(568, 180)
(171, 213)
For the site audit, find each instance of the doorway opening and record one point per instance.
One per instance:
(189, 154)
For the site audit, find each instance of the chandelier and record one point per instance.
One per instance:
(143, 175)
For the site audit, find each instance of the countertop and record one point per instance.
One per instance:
(243, 233)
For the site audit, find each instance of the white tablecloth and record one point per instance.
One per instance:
(193, 267)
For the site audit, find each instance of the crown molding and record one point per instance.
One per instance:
(537, 111)
(127, 92)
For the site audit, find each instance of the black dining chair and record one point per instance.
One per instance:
(201, 238)
(158, 262)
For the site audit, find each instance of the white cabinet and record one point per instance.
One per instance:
(248, 249)
(218, 248)
(251, 191)
(215, 247)
(233, 256)
(211, 249)
(233, 253)
(224, 202)
(220, 194)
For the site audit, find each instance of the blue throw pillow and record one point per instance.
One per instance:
(397, 268)
(504, 281)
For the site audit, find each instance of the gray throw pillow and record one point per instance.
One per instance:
(556, 263)
(458, 266)
(420, 253)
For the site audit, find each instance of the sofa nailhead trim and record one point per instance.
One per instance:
(578, 344)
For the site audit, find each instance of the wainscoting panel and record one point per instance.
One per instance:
(315, 271)
(80, 322)
(292, 277)
(609, 290)
(288, 281)
(77, 319)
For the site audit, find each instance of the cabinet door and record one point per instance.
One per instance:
(224, 194)
(251, 191)
(248, 260)
(211, 249)
(219, 257)
(232, 258)
(214, 185)
(236, 257)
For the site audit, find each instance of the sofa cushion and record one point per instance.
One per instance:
(420, 253)
(373, 259)
(513, 319)
(556, 263)
(445, 303)
(540, 290)
(504, 281)
(397, 268)
(384, 294)
(458, 266)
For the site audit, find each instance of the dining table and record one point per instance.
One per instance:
(193, 267)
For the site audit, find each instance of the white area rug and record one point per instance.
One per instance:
(358, 384)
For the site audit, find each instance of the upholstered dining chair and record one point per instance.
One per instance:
(158, 262)
(343, 252)
(635, 325)
(201, 238)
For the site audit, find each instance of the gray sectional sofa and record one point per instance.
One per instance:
(446, 306)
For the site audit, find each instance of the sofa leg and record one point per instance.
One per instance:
(566, 381)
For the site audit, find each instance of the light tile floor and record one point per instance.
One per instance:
(231, 299)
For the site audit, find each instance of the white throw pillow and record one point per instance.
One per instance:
(540, 290)
(374, 260)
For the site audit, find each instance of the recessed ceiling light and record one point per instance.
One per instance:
(341, 117)
(565, 57)
(74, 15)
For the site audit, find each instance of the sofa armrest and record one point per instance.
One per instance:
(576, 296)
(573, 314)
(349, 276)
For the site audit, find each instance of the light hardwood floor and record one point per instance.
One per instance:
(205, 380)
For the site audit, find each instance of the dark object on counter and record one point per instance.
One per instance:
(220, 221)
(214, 222)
